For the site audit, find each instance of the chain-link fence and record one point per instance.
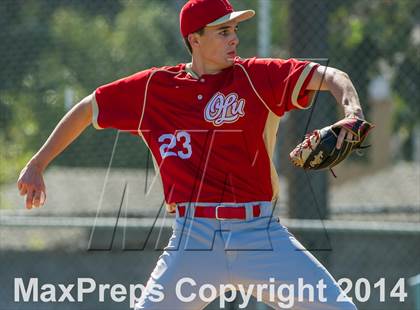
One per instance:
(53, 53)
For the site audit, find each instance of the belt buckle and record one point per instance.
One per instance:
(217, 214)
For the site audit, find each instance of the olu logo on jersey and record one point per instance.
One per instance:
(224, 109)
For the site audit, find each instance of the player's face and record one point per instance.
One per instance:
(217, 47)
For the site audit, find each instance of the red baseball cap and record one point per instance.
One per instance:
(197, 14)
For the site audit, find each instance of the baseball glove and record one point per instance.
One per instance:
(318, 149)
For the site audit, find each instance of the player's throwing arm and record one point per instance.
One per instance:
(31, 181)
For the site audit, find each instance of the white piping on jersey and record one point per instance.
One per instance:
(236, 64)
(273, 173)
(157, 168)
(252, 85)
(299, 84)
(189, 70)
(145, 94)
(144, 101)
(95, 112)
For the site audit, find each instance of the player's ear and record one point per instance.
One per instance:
(193, 39)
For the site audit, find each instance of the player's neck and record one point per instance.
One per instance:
(200, 68)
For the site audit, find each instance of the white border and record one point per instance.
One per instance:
(95, 112)
(299, 84)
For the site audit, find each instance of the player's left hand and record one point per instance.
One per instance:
(345, 134)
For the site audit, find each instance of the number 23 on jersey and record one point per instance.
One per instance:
(169, 142)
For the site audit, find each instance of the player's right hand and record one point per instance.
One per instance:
(31, 183)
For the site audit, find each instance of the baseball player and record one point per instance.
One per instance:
(211, 126)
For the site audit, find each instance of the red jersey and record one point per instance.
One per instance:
(212, 138)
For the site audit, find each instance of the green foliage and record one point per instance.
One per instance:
(366, 34)
(55, 46)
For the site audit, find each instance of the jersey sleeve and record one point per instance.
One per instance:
(119, 104)
(289, 79)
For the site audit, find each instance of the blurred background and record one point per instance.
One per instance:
(103, 197)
